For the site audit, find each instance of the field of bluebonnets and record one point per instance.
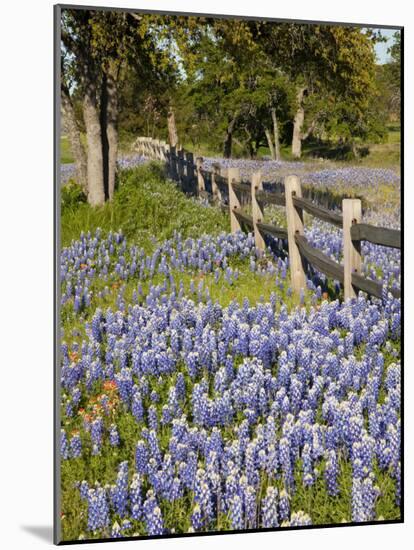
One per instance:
(199, 394)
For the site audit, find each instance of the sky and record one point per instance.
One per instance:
(381, 47)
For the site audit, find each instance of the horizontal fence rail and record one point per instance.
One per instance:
(376, 235)
(242, 188)
(372, 287)
(229, 193)
(266, 197)
(320, 260)
(244, 218)
(272, 230)
(318, 211)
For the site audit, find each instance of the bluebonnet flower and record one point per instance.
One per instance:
(83, 489)
(236, 512)
(75, 445)
(369, 496)
(135, 497)
(98, 509)
(196, 518)
(307, 465)
(64, 445)
(358, 511)
(116, 531)
(300, 519)
(137, 407)
(331, 473)
(96, 435)
(152, 516)
(152, 418)
(285, 460)
(284, 505)
(270, 508)
(113, 435)
(141, 457)
(119, 492)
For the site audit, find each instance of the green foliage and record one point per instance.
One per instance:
(71, 197)
(389, 83)
(66, 156)
(146, 204)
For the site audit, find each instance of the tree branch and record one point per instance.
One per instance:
(310, 129)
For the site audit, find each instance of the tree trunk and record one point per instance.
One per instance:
(227, 145)
(112, 130)
(228, 141)
(96, 193)
(354, 149)
(276, 134)
(103, 119)
(76, 146)
(270, 143)
(298, 125)
(172, 128)
(251, 149)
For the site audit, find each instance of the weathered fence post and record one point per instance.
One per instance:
(294, 227)
(214, 187)
(351, 213)
(157, 146)
(190, 170)
(173, 163)
(233, 175)
(180, 168)
(257, 212)
(200, 178)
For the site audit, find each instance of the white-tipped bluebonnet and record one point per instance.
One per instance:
(119, 492)
(300, 519)
(64, 445)
(196, 518)
(284, 505)
(75, 445)
(113, 435)
(135, 497)
(331, 472)
(98, 509)
(97, 435)
(236, 512)
(270, 508)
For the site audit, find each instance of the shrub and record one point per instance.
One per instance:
(71, 196)
(146, 207)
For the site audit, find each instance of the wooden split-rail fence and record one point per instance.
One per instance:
(229, 192)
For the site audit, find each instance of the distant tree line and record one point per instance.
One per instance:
(221, 84)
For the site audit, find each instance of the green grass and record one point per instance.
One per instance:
(381, 155)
